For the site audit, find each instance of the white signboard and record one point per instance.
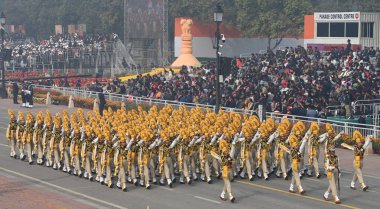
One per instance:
(337, 16)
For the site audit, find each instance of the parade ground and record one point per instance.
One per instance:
(34, 186)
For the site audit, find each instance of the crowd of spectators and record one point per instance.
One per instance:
(57, 48)
(17, 37)
(296, 80)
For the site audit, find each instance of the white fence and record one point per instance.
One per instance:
(366, 105)
(138, 100)
(358, 107)
(347, 127)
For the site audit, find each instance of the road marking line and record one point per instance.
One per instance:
(202, 198)
(294, 194)
(63, 189)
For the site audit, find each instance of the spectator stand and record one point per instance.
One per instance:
(102, 53)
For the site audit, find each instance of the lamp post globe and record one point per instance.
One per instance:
(218, 13)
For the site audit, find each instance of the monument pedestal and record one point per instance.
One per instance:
(186, 58)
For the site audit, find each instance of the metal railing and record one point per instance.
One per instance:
(81, 93)
(359, 107)
(338, 126)
(365, 106)
(347, 127)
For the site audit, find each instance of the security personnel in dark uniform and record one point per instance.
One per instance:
(15, 92)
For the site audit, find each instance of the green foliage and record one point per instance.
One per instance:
(346, 5)
(40, 16)
(264, 18)
(272, 18)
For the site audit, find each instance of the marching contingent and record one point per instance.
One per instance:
(143, 147)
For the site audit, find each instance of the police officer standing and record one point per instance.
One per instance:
(15, 92)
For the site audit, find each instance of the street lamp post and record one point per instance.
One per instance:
(2, 24)
(218, 18)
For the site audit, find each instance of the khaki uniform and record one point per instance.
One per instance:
(295, 160)
(153, 164)
(332, 176)
(283, 158)
(96, 158)
(184, 158)
(37, 139)
(226, 164)
(313, 155)
(165, 164)
(226, 161)
(11, 136)
(106, 160)
(143, 161)
(194, 162)
(264, 156)
(46, 151)
(205, 161)
(86, 153)
(54, 146)
(358, 166)
(27, 139)
(247, 159)
(64, 147)
(120, 159)
(132, 156)
(74, 152)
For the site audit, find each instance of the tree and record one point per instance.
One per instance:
(346, 5)
(272, 19)
(40, 16)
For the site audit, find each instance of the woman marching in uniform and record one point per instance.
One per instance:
(38, 136)
(54, 142)
(64, 145)
(48, 133)
(28, 135)
(295, 154)
(226, 159)
(361, 144)
(86, 151)
(74, 150)
(120, 158)
(313, 150)
(332, 175)
(11, 133)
